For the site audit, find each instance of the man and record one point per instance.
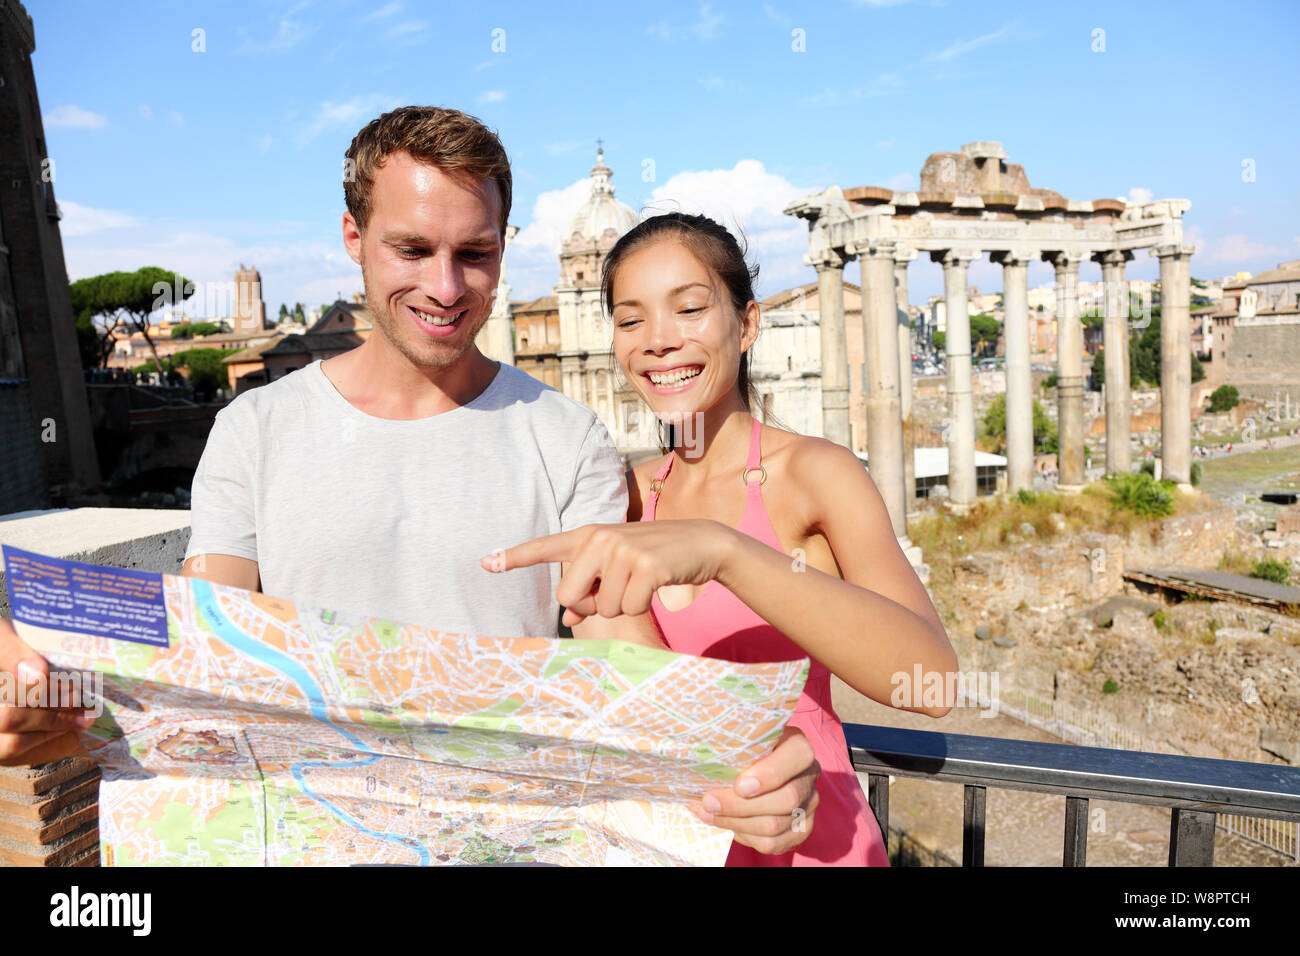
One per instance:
(374, 481)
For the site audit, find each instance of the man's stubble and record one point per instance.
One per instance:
(395, 329)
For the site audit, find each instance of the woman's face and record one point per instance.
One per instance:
(676, 335)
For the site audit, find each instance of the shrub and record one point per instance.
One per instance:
(1142, 494)
(1026, 497)
(1159, 620)
(1196, 473)
(1223, 398)
(1271, 569)
(1109, 687)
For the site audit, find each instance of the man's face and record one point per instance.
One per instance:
(430, 258)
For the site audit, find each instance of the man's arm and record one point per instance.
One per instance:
(224, 569)
(223, 528)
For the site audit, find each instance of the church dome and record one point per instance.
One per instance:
(602, 211)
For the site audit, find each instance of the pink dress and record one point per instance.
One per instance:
(718, 624)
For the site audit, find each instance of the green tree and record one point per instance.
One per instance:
(1223, 398)
(984, 329)
(191, 329)
(1144, 355)
(995, 426)
(284, 312)
(939, 339)
(129, 297)
(1099, 368)
(207, 372)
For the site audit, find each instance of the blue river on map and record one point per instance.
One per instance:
(295, 672)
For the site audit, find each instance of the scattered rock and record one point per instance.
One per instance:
(983, 632)
(1027, 529)
(1003, 641)
(1057, 521)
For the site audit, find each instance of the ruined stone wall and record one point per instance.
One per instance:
(1263, 359)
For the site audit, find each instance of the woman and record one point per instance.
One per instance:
(801, 562)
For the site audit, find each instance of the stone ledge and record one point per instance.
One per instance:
(146, 538)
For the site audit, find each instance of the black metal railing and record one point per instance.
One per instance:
(1194, 788)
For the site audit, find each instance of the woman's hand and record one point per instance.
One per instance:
(614, 569)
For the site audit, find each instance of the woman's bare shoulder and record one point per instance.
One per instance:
(638, 485)
(800, 455)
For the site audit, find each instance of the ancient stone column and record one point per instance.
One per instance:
(961, 409)
(1069, 372)
(1020, 394)
(1175, 361)
(835, 358)
(880, 343)
(1115, 349)
(902, 256)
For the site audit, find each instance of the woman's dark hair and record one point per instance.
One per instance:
(714, 246)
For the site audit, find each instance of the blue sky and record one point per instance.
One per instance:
(198, 161)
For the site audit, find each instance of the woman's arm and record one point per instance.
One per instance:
(872, 628)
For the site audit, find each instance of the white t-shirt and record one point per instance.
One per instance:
(373, 517)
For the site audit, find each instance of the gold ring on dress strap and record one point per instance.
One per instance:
(744, 474)
(657, 485)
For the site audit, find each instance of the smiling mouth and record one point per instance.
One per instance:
(437, 321)
(676, 376)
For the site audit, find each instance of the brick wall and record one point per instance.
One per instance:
(49, 815)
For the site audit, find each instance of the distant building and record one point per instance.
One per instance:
(249, 310)
(1253, 341)
(931, 468)
(342, 327)
(786, 360)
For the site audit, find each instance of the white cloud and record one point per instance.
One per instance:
(903, 182)
(387, 10)
(79, 220)
(492, 96)
(1137, 196)
(885, 84)
(264, 143)
(533, 260)
(145, 111)
(1236, 250)
(966, 46)
(715, 82)
(560, 148)
(299, 261)
(775, 15)
(176, 117)
(349, 113)
(289, 33)
(825, 98)
(884, 143)
(73, 117)
(746, 199)
(707, 26)
(410, 31)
